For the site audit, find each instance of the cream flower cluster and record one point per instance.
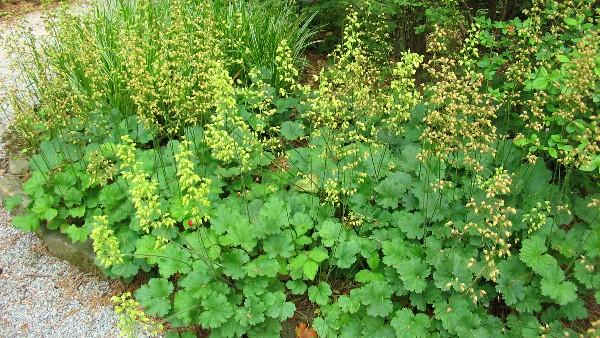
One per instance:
(99, 168)
(537, 216)
(105, 243)
(194, 188)
(132, 319)
(286, 70)
(461, 116)
(170, 77)
(228, 135)
(404, 94)
(492, 222)
(142, 188)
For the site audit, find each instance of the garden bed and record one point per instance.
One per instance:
(184, 143)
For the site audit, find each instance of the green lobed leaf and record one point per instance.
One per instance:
(154, 296)
(296, 287)
(186, 307)
(262, 266)
(28, 222)
(310, 269)
(346, 252)
(318, 254)
(216, 311)
(319, 294)
(414, 273)
(376, 295)
(277, 307)
(198, 280)
(563, 292)
(234, 228)
(233, 263)
(174, 260)
(273, 216)
(279, 245)
(407, 324)
(11, 202)
(76, 234)
(253, 311)
(35, 184)
(392, 188)
(350, 304)
(125, 269)
(292, 130)
(511, 282)
(410, 223)
(329, 232)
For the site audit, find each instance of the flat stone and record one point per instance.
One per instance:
(79, 254)
(11, 186)
(18, 166)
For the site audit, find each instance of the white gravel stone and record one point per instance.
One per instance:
(42, 296)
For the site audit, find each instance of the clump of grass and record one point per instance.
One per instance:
(254, 29)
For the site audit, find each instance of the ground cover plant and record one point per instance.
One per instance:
(366, 204)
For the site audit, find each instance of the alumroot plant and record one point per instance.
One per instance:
(99, 168)
(461, 115)
(351, 107)
(229, 137)
(553, 92)
(142, 188)
(194, 189)
(492, 220)
(105, 243)
(132, 319)
(405, 96)
(248, 206)
(170, 64)
(287, 73)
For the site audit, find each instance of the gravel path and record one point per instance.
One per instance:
(40, 295)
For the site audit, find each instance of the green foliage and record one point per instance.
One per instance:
(11, 202)
(320, 293)
(407, 324)
(154, 296)
(332, 203)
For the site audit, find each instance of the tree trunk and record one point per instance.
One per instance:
(492, 8)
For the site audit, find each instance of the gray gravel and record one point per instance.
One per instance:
(40, 295)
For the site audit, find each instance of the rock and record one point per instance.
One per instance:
(18, 166)
(11, 186)
(79, 254)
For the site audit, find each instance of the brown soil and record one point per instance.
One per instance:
(11, 9)
(316, 62)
